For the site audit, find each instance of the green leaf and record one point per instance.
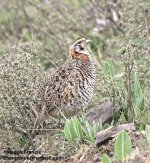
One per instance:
(73, 130)
(109, 68)
(123, 146)
(148, 135)
(90, 130)
(138, 95)
(106, 159)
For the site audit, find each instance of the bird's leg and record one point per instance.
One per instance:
(39, 119)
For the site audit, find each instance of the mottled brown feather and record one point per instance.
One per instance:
(69, 89)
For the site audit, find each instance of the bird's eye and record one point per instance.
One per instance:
(79, 48)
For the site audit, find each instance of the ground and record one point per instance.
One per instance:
(93, 154)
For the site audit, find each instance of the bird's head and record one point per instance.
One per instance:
(78, 50)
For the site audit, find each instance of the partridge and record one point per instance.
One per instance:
(69, 89)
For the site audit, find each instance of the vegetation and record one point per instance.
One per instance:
(123, 147)
(76, 131)
(34, 40)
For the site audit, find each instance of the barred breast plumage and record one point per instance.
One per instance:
(70, 88)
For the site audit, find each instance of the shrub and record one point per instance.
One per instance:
(19, 77)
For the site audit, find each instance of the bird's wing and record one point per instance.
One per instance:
(55, 86)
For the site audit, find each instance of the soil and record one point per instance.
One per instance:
(92, 154)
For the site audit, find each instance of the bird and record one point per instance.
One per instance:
(68, 90)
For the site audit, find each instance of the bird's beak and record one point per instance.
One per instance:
(88, 41)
